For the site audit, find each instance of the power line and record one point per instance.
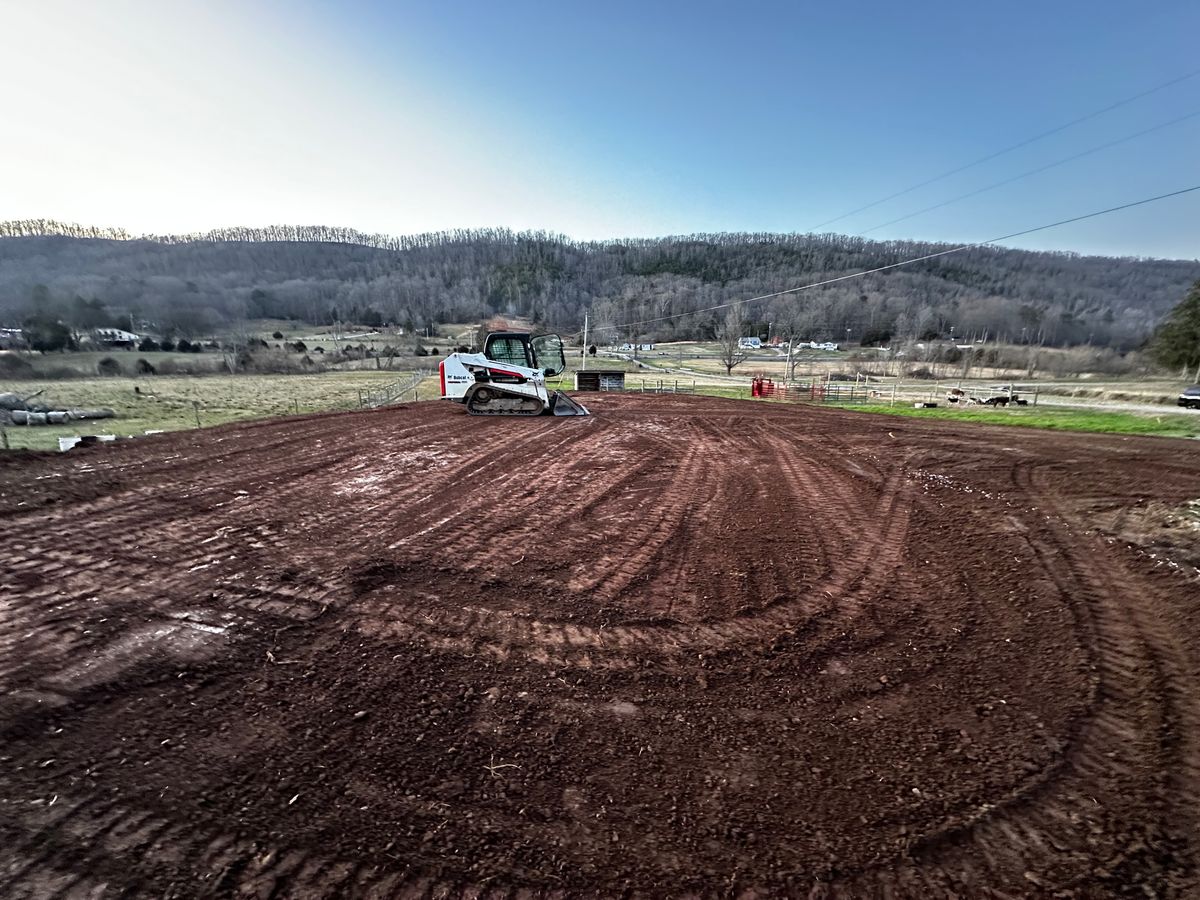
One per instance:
(1010, 149)
(909, 262)
(1039, 169)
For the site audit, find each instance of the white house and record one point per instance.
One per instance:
(115, 336)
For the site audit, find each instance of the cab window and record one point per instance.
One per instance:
(509, 350)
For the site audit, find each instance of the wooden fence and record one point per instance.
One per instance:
(663, 386)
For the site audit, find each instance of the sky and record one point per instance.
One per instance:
(621, 119)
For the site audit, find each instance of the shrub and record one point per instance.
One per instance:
(172, 367)
(148, 345)
(166, 344)
(145, 368)
(278, 335)
(184, 346)
(420, 351)
(109, 366)
(876, 337)
(12, 366)
(60, 373)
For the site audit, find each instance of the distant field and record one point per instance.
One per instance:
(84, 362)
(172, 403)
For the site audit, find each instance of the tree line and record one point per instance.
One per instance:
(195, 286)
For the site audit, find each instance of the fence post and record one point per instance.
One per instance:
(360, 403)
(1035, 395)
(893, 403)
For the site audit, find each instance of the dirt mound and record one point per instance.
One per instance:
(683, 646)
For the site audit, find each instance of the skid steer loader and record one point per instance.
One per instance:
(509, 377)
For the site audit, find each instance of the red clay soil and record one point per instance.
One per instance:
(684, 647)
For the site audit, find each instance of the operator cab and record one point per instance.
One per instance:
(543, 352)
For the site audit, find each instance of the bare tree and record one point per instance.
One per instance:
(237, 341)
(729, 336)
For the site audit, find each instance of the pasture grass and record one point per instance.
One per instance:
(1093, 420)
(173, 402)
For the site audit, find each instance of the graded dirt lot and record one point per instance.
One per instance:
(684, 647)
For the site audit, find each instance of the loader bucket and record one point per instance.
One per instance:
(562, 405)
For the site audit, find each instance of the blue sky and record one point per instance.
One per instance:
(604, 120)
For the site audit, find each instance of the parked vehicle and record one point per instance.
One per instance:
(1189, 398)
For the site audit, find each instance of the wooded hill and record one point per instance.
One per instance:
(197, 285)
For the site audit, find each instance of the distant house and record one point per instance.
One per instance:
(116, 337)
(749, 343)
(11, 337)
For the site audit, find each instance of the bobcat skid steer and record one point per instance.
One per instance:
(509, 377)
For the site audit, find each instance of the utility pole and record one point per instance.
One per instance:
(787, 374)
(585, 341)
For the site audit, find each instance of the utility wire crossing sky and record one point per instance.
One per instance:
(943, 121)
(913, 260)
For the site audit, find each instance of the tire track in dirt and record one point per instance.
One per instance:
(1024, 834)
(126, 531)
(789, 653)
(864, 571)
(1146, 717)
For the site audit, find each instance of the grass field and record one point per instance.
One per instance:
(1166, 425)
(173, 403)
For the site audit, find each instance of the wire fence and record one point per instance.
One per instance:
(369, 398)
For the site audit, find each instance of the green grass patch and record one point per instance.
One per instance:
(732, 393)
(1099, 421)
